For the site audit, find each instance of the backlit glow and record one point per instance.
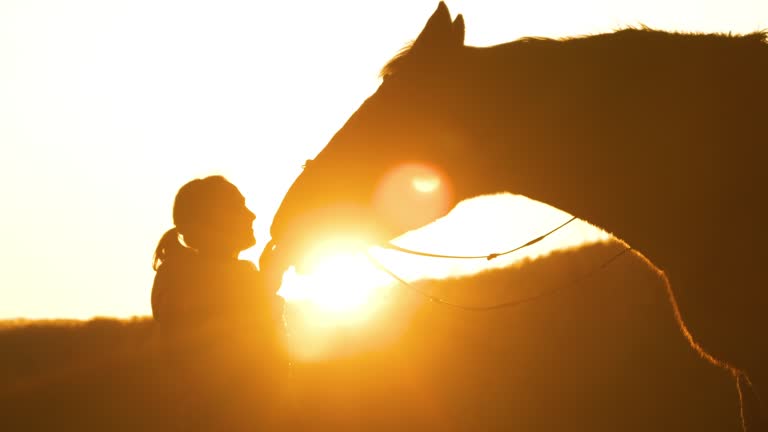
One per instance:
(345, 289)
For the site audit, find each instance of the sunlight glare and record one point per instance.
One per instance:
(341, 289)
(344, 295)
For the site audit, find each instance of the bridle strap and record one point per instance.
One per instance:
(390, 245)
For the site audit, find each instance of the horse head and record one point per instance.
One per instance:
(394, 166)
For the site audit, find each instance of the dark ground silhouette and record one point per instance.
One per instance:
(602, 355)
(656, 137)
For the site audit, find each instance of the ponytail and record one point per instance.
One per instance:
(191, 207)
(168, 247)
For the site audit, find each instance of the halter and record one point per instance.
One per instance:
(488, 257)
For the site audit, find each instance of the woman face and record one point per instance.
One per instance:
(231, 224)
(217, 219)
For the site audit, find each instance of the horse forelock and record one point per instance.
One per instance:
(396, 62)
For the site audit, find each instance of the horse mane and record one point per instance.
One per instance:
(760, 37)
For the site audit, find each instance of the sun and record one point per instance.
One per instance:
(341, 289)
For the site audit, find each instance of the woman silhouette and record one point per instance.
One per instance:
(219, 323)
(199, 276)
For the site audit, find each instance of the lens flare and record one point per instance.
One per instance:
(413, 194)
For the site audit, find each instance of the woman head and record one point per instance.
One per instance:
(210, 216)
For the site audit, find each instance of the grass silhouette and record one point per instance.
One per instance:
(601, 354)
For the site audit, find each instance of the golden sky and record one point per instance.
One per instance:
(107, 108)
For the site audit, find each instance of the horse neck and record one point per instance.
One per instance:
(530, 143)
(630, 150)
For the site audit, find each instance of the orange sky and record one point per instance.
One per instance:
(107, 108)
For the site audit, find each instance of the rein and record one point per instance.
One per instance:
(488, 257)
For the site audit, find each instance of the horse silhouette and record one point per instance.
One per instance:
(656, 137)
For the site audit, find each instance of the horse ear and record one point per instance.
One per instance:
(438, 28)
(458, 30)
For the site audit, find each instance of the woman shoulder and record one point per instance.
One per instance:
(174, 289)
